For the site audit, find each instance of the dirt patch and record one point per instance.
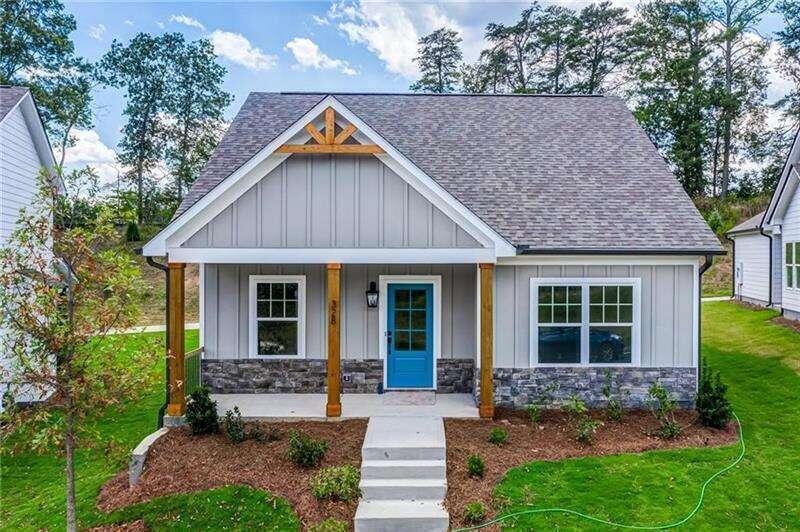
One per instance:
(133, 526)
(786, 322)
(181, 463)
(552, 439)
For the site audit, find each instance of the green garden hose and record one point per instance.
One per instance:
(622, 525)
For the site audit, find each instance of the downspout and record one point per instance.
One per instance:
(769, 264)
(162, 410)
(709, 260)
(733, 265)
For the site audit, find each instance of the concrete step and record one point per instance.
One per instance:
(401, 516)
(384, 469)
(403, 451)
(403, 489)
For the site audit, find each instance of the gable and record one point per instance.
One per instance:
(331, 201)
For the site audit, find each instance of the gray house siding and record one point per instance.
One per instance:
(326, 201)
(667, 306)
(225, 300)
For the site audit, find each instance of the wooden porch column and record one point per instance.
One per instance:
(175, 306)
(486, 408)
(334, 406)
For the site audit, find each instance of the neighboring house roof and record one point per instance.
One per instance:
(9, 98)
(549, 173)
(751, 224)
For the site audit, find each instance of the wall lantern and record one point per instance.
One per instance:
(372, 295)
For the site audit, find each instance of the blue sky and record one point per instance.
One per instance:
(346, 45)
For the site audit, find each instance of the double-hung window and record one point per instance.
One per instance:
(277, 316)
(585, 321)
(791, 260)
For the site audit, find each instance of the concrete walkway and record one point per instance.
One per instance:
(716, 298)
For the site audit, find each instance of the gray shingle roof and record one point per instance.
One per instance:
(9, 96)
(750, 224)
(546, 172)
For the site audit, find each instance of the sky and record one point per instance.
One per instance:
(346, 45)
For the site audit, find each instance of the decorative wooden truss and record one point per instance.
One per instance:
(328, 142)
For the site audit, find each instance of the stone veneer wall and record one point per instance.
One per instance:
(518, 387)
(310, 375)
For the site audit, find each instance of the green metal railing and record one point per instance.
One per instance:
(191, 371)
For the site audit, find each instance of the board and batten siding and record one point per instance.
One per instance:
(667, 306)
(331, 201)
(790, 232)
(752, 257)
(225, 300)
(19, 170)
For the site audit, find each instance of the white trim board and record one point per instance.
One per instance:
(383, 286)
(265, 160)
(327, 255)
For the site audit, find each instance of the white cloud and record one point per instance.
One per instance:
(89, 150)
(391, 30)
(308, 55)
(236, 48)
(97, 32)
(187, 21)
(320, 21)
(160, 24)
(128, 22)
(779, 86)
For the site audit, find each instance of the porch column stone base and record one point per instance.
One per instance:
(174, 421)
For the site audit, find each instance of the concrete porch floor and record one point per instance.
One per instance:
(287, 406)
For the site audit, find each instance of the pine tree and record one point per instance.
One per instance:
(514, 51)
(601, 46)
(439, 61)
(555, 41)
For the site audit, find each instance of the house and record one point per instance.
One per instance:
(767, 246)
(24, 151)
(480, 244)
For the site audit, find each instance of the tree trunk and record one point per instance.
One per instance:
(726, 110)
(72, 522)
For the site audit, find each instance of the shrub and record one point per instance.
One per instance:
(663, 406)
(306, 451)
(498, 436)
(475, 466)
(329, 525)
(132, 233)
(258, 434)
(614, 394)
(234, 426)
(712, 404)
(537, 406)
(474, 513)
(337, 483)
(201, 412)
(585, 427)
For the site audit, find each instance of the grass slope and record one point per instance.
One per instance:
(32, 486)
(756, 358)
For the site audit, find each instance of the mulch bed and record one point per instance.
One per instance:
(786, 322)
(182, 463)
(553, 439)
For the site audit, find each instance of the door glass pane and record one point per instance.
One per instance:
(277, 290)
(277, 309)
(559, 345)
(545, 314)
(418, 299)
(610, 345)
(418, 340)
(401, 340)
(401, 298)
(277, 337)
(545, 294)
(418, 319)
(401, 319)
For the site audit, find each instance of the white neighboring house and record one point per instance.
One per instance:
(24, 151)
(767, 246)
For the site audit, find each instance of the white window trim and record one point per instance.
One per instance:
(301, 314)
(585, 282)
(794, 265)
(383, 282)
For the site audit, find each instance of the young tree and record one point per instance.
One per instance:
(488, 74)
(62, 289)
(514, 48)
(195, 104)
(439, 58)
(555, 40)
(601, 45)
(36, 51)
(144, 67)
(670, 89)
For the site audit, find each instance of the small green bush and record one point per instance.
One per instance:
(498, 436)
(337, 483)
(475, 466)
(132, 233)
(585, 427)
(329, 525)
(306, 451)
(712, 404)
(534, 413)
(258, 434)
(615, 395)
(234, 426)
(474, 513)
(663, 406)
(201, 412)
(536, 408)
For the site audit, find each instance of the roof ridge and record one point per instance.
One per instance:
(443, 94)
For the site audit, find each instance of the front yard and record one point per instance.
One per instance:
(758, 359)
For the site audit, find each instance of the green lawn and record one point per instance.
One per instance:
(32, 486)
(759, 360)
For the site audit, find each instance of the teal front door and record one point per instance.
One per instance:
(409, 336)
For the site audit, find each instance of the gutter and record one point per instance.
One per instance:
(525, 249)
(709, 260)
(163, 408)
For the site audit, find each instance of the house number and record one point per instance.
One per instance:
(334, 310)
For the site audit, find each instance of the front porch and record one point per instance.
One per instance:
(312, 406)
